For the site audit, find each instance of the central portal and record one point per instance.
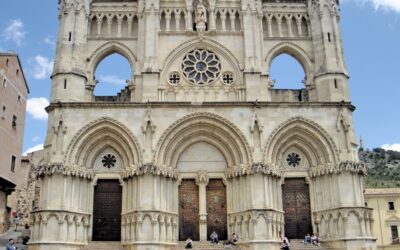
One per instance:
(107, 211)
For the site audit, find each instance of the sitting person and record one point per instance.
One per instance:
(315, 240)
(189, 243)
(285, 244)
(234, 239)
(214, 238)
(307, 239)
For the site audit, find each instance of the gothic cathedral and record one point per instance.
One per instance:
(200, 139)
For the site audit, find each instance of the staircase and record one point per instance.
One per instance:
(103, 245)
(297, 244)
(203, 245)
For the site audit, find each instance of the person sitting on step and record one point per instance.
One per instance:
(189, 243)
(214, 238)
(307, 239)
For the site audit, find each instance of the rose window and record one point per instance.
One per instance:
(109, 161)
(201, 67)
(293, 160)
(174, 78)
(227, 78)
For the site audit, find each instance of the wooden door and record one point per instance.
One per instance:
(107, 211)
(188, 210)
(216, 209)
(296, 204)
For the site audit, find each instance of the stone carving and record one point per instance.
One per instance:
(59, 168)
(257, 168)
(201, 16)
(350, 166)
(151, 169)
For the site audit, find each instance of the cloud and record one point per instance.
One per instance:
(112, 79)
(49, 40)
(33, 149)
(36, 107)
(394, 147)
(35, 139)
(15, 32)
(41, 67)
(386, 5)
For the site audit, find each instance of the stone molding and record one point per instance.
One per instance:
(59, 168)
(301, 126)
(165, 171)
(256, 168)
(42, 216)
(96, 125)
(344, 166)
(203, 121)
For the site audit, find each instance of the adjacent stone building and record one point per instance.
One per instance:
(385, 203)
(200, 140)
(13, 96)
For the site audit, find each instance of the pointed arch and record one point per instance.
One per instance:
(296, 52)
(305, 135)
(107, 49)
(203, 127)
(98, 135)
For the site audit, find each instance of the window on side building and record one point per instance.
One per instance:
(391, 205)
(395, 234)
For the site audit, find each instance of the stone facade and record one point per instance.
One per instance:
(13, 96)
(200, 105)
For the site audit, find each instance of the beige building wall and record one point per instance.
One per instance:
(13, 96)
(385, 203)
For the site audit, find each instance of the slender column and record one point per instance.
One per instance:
(279, 22)
(289, 24)
(99, 24)
(109, 24)
(299, 29)
(232, 17)
(119, 21)
(202, 181)
(130, 22)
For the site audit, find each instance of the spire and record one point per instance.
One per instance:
(361, 148)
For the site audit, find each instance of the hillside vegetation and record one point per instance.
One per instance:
(383, 168)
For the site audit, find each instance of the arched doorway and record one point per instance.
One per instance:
(202, 194)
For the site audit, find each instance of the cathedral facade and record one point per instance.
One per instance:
(200, 140)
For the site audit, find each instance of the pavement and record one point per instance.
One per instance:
(16, 235)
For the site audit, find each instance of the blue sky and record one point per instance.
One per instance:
(371, 37)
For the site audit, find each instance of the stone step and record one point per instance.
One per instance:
(103, 245)
(297, 244)
(206, 245)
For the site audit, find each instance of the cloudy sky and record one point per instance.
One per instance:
(371, 37)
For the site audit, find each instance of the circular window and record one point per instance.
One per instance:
(201, 67)
(109, 161)
(293, 159)
(227, 78)
(174, 78)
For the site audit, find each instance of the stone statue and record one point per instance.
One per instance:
(201, 16)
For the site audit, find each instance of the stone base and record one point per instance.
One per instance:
(260, 245)
(151, 246)
(53, 246)
(352, 243)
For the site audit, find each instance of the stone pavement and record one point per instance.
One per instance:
(11, 234)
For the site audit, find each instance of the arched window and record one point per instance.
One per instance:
(287, 73)
(111, 77)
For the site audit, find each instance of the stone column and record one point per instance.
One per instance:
(202, 181)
